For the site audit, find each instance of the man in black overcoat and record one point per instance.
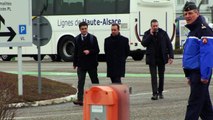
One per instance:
(159, 51)
(116, 49)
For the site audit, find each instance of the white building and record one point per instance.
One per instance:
(205, 8)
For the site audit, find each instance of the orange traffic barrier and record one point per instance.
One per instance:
(100, 103)
(123, 101)
(106, 103)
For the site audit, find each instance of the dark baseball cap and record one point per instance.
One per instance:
(189, 6)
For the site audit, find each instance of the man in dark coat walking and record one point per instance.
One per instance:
(116, 49)
(158, 52)
(85, 59)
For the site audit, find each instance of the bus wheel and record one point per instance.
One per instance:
(55, 58)
(137, 58)
(35, 57)
(6, 57)
(66, 48)
(101, 57)
(138, 55)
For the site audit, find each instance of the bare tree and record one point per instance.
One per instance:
(7, 95)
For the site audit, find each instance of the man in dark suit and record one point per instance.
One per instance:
(85, 59)
(116, 49)
(158, 52)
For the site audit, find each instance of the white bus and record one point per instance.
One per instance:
(134, 17)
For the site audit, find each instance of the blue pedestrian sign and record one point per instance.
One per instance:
(22, 29)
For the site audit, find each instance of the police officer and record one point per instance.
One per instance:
(198, 73)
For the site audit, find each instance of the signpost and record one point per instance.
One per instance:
(42, 33)
(183, 31)
(16, 29)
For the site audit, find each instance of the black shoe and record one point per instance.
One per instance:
(161, 96)
(78, 102)
(130, 90)
(154, 97)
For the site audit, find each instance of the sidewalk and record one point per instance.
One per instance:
(178, 56)
(45, 102)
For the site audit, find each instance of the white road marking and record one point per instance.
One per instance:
(141, 94)
(45, 116)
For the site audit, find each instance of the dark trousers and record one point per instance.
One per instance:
(153, 71)
(116, 80)
(81, 80)
(199, 103)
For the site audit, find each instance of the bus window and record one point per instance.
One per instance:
(75, 7)
(67, 7)
(180, 2)
(205, 2)
(49, 10)
(100, 6)
(38, 6)
(123, 6)
(107, 6)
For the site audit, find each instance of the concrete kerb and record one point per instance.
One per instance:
(69, 98)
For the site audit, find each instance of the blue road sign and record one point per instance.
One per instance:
(22, 29)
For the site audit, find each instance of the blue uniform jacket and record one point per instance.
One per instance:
(198, 49)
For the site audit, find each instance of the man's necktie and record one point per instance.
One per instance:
(84, 38)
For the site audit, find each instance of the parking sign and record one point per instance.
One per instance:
(15, 23)
(22, 29)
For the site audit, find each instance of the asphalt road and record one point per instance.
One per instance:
(172, 107)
